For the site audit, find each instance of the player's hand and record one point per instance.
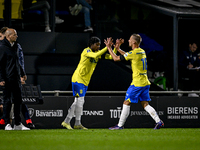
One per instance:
(109, 42)
(22, 80)
(24, 77)
(190, 66)
(118, 43)
(2, 83)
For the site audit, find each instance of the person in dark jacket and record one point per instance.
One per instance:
(188, 68)
(24, 108)
(10, 79)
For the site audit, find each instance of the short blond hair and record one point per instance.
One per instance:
(137, 38)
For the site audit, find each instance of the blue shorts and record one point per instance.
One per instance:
(134, 94)
(79, 89)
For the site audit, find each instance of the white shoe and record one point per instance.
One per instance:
(88, 29)
(8, 127)
(20, 127)
(180, 94)
(193, 95)
(47, 29)
(58, 20)
(75, 10)
(79, 8)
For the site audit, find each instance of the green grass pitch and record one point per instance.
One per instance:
(102, 139)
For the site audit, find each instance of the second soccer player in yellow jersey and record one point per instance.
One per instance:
(81, 78)
(139, 88)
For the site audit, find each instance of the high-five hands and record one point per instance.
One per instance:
(118, 43)
(108, 42)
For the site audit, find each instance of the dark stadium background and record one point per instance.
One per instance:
(51, 58)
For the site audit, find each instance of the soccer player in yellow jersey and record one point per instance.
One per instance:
(81, 78)
(139, 88)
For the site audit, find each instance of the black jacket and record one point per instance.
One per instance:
(9, 62)
(186, 58)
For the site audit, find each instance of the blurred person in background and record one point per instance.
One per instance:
(83, 6)
(44, 6)
(188, 68)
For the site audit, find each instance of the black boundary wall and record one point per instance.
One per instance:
(104, 111)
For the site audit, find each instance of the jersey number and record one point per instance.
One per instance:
(144, 61)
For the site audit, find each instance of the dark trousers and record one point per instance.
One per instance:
(12, 91)
(44, 6)
(25, 112)
(191, 79)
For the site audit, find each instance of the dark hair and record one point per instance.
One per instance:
(193, 42)
(3, 30)
(93, 40)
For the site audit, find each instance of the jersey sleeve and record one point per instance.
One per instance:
(128, 55)
(108, 56)
(95, 55)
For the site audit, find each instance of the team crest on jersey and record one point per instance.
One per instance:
(88, 50)
(141, 53)
(130, 52)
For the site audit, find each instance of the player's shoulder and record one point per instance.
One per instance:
(87, 50)
(139, 51)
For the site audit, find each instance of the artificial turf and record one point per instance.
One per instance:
(101, 139)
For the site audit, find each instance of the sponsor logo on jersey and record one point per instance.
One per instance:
(141, 53)
(92, 60)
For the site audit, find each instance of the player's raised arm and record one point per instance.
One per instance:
(97, 54)
(109, 43)
(108, 56)
(116, 48)
(117, 45)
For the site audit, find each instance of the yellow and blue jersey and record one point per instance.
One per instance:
(138, 61)
(87, 65)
